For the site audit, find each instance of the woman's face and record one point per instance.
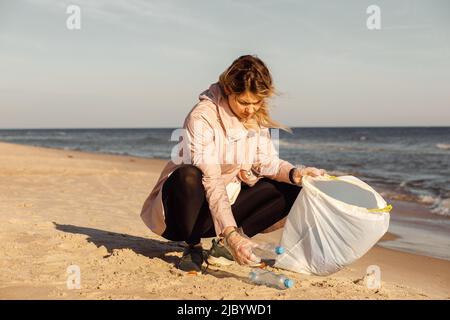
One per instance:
(244, 105)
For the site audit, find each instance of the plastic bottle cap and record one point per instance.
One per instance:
(288, 283)
(279, 250)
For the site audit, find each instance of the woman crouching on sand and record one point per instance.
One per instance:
(208, 195)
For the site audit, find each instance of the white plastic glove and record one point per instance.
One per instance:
(248, 177)
(302, 171)
(241, 248)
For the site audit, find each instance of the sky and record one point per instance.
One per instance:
(142, 64)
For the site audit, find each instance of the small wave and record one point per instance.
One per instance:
(441, 207)
(392, 195)
(427, 199)
(443, 146)
(436, 205)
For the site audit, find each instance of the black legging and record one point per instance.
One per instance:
(187, 213)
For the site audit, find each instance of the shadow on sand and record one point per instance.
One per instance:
(151, 248)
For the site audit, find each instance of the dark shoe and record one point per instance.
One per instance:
(218, 255)
(192, 260)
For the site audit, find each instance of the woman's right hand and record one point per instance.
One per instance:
(241, 248)
(303, 171)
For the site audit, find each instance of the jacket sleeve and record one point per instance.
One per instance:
(201, 142)
(267, 163)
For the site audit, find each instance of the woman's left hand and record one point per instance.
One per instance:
(307, 171)
(248, 177)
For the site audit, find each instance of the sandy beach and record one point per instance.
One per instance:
(62, 208)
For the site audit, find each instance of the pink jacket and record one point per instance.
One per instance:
(216, 142)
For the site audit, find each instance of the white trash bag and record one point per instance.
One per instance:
(333, 222)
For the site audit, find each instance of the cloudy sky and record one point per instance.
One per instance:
(139, 63)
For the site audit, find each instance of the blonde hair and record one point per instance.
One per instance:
(249, 74)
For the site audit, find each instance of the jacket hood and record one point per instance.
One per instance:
(214, 94)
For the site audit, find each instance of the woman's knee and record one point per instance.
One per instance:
(290, 195)
(189, 176)
(292, 189)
